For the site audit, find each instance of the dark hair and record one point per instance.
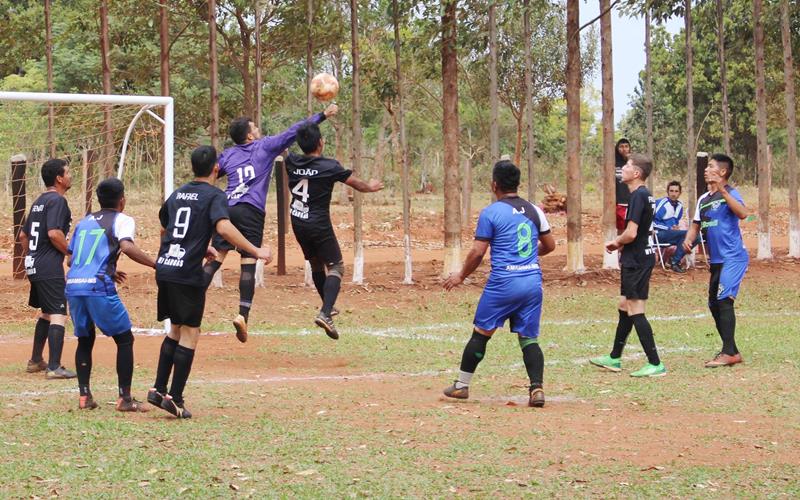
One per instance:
(620, 160)
(674, 183)
(506, 175)
(727, 160)
(109, 192)
(203, 160)
(643, 163)
(308, 137)
(239, 129)
(52, 168)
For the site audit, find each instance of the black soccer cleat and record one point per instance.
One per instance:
(154, 397)
(175, 408)
(457, 392)
(325, 322)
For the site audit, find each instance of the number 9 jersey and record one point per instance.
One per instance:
(188, 217)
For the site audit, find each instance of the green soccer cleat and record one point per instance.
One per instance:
(649, 370)
(607, 362)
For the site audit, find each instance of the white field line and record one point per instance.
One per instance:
(346, 378)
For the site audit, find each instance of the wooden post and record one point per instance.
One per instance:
(87, 170)
(18, 167)
(281, 190)
(702, 163)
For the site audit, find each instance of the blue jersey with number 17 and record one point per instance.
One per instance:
(512, 227)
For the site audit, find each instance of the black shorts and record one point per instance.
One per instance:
(182, 304)
(249, 221)
(320, 244)
(635, 282)
(48, 295)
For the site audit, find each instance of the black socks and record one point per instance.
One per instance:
(83, 362)
(166, 359)
(533, 357)
(624, 327)
(183, 366)
(318, 277)
(124, 343)
(474, 352)
(330, 292)
(209, 270)
(55, 341)
(726, 326)
(39, 339)
(247, 288)
(645, 333)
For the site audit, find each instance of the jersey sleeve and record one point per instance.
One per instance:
(278, 143)
(737, 196)
(124, 227)
(218, 209)
(544, 226)
(636, 208)
(163, 214)
(484, 231)
(58, 215)
(340, 174)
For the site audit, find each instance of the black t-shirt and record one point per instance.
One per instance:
(623, 193)
(311, 181)
(49, 211)
(189, 216)
(640, 210)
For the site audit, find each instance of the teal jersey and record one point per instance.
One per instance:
(94, 250)
(720, 227)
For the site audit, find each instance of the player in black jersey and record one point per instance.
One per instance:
(311, 180)
(44, 239)
(188, 218)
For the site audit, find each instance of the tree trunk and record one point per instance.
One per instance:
(48, 47)
(257, 65)
(213, 127)
(379, 164)
(403, 150)
(690, 144)
(764, 243)
(574, 237)
(108, 128)
(355, 144)
(452, 209)
(610, 260)
(723, 78)
(791, 131)
(494, 134)
(163, 31)
(518, 143)
(648, 97)
(309, 55)
(530, 138)
(466, 193)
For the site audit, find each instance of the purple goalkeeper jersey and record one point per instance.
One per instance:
(249, 166)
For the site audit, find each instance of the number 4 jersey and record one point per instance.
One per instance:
(95, 247)
(44, 261)
(512, 227)
(311, 180)
(188, 217)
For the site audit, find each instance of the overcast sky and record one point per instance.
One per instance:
(627, 50)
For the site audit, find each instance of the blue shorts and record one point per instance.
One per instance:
(725, 279)
(516, 299)
(106, 311)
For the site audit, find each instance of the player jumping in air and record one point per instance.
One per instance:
(718, 213)
(93, 301)
(248, 166)
(519, 234)
(187, 218)
(311, 180)
(637, 261)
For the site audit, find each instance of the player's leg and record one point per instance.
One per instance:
(636, 312)
(713, 305)
(730, 277)
(211, 267)
(250, 222)
(318, 275)
(166, 356)
(613, 361)
(85, 332)
(328, 251)
(525, 323)
(37, 362)
(54, 303)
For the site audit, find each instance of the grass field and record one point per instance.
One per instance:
(292, 413)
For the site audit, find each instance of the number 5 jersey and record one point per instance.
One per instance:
(43, 260)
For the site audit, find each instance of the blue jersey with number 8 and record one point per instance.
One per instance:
(512, 226)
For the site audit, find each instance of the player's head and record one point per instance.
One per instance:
(674, 190)
(723, 162)
(505, 177)
(242, 130)
(204, 159)
(56, 170)
(309, 138)
(623, 148)
(111, 194)
(639, 167)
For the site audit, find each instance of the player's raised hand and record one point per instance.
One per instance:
(374, 185)
(452, 281)
(265, 253)
(331, 110)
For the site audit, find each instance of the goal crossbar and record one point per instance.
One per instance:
(168, 121)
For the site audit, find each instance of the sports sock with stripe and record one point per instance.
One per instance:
(55, 341)
(474, 352)
(183, 366)
(124, 343)
(645, 333)
(727, 326)
(209, 270)
(166, 359)
(247, 289)
(533, 357)
(83, 362)
(39, 339)
(624, 327)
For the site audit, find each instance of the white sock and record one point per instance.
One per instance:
(464, 378)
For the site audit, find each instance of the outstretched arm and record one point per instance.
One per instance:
(286, 138)
(136, 254)
(471, 263)
(371, 186)
(235, 238)
(546, 244)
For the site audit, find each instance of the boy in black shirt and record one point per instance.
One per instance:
(188, 218)
(311, 180)
(44, 239)
(636, 264)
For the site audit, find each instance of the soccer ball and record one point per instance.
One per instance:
(324, 87)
